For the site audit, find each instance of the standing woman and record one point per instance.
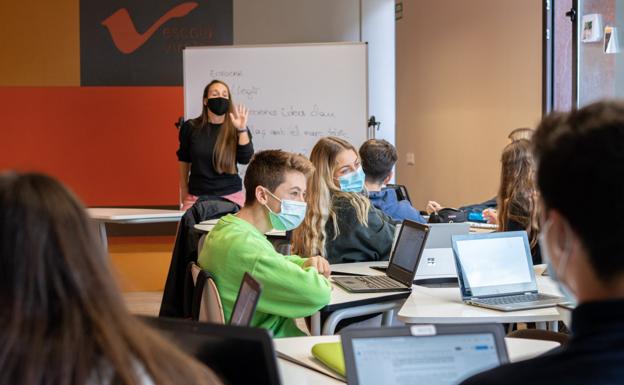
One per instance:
(63, 319)
(341, 224)
(210, 147)
(517, 199)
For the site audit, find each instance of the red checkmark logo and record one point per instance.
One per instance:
(124, 34)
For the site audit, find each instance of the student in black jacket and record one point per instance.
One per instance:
(210, 147)
(341, 224)
(580, 162)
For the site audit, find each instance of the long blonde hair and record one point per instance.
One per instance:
(224, 155)
(309, 238)
(517, 195)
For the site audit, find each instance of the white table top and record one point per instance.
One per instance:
(300, 349)
(207, 226)
(444, 305)
(134, 215)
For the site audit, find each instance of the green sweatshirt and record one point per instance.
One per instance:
(235, 246)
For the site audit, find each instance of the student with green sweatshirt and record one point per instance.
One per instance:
(293, 287)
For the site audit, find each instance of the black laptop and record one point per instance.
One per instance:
(402, 268)
(224, 348)
(246, 301)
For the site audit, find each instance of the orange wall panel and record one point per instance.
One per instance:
(111, 145)
(40, 43)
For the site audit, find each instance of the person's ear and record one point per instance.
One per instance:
(388, 178)
(261, 195)
(559, 233)
(205, 101)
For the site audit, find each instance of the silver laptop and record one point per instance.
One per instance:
(437, 259)
(495, 271)
(421, 354)
(402, 267)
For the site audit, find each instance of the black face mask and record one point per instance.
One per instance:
(218, 106)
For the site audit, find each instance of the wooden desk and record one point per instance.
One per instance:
(300, 349)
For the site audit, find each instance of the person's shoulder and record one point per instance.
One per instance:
(237, 232)
(341, 203)
(540, 370)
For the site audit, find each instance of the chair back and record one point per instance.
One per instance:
(206, 303)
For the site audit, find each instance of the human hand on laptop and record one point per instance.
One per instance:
(320, 264)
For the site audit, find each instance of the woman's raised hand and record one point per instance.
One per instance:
(239, 117)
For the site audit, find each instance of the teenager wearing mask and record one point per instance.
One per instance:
(293, 287)
(63, 318)
(341, 224)
(580, 161)
(211, 145)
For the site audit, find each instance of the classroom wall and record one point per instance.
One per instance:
(467, 73)
(296, 21)
(115, 146)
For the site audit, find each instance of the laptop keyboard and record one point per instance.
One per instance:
(378, 282)
(531, 297)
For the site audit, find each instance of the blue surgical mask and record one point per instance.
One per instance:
(353, 181)
(290, 216)
(556, 274)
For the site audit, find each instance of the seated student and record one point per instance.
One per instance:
(341, 224)
(63, 319)
(488, 208)
(378, 158)
(293, 287)
(579, 155)
(518, 207)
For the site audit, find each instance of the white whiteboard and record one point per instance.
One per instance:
(296, 94)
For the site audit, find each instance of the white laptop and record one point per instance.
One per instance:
(495, 271)
(421, 354)
(437, 258)
(437, 264)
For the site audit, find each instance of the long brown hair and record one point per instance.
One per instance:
(309, 238)
(63, 319)
(224, 155)
(517, 196)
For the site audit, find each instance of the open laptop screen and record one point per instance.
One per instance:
(408, 246)
(246, 301)
(223, 348)
(494, 264)
(432, 360)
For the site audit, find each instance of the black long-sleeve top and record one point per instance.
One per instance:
(594, 355)
(197, 148)
(356, 242)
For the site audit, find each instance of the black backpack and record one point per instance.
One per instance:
(448, 215)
